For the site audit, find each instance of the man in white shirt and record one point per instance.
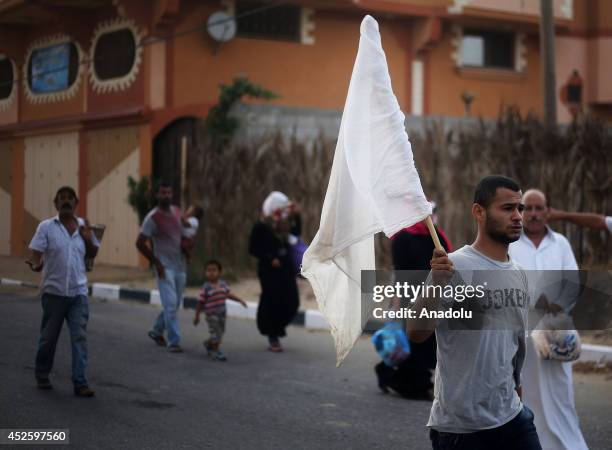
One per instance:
(547, 384)
(59, 248)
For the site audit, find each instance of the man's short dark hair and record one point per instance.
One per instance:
(65, 190)
(164, 184)
(487, 187)
(214, 262)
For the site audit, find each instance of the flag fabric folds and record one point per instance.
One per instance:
(373, 187)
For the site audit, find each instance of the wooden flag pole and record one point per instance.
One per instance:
(434, 235)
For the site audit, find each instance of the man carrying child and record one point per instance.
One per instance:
(190, 222)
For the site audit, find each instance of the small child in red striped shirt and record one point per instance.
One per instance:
(213, 296)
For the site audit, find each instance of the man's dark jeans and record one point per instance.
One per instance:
(520, 434)
(56, 309)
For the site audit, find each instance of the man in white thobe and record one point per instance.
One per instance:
(547, 384)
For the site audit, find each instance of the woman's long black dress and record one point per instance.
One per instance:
(279, 299)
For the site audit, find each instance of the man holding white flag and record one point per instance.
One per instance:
(477, 392)
(373, 187)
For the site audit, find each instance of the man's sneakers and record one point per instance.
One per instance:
(219, 356)
(79, 391)
(44, 384)
(159, 340)
(83, 391)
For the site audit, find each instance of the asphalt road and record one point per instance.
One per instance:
(149, 398)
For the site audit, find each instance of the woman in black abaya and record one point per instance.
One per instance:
(269, 243)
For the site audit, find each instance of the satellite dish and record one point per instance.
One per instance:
(221, 26)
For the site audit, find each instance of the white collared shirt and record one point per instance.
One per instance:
(63, 257)
(553, 254)
(609, 223)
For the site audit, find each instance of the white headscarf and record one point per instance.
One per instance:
(275, 200)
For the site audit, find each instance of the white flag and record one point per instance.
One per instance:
(373, 187)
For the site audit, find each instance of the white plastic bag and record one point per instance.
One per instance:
(555, 338)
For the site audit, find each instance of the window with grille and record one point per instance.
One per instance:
(53, 68)
(485, 48)
(6, 78)
(114, 54)
(275, 22)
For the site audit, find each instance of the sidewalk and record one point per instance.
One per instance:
(14, 268)
(126, 283)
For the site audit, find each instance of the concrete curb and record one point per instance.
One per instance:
(11, 282)
(310, 319)
(599, 354)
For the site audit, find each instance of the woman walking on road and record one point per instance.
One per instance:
(270, 244)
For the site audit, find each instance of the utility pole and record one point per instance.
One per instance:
(547, 51)
(184, 172)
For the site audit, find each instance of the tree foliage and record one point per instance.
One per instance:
(219, 126)
(140, 196)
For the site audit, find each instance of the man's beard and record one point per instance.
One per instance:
(501, 237)
(492, 229)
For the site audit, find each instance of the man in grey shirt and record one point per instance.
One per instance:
(477, 391)
(162, 229)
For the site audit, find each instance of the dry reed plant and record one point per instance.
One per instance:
(572, 165)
